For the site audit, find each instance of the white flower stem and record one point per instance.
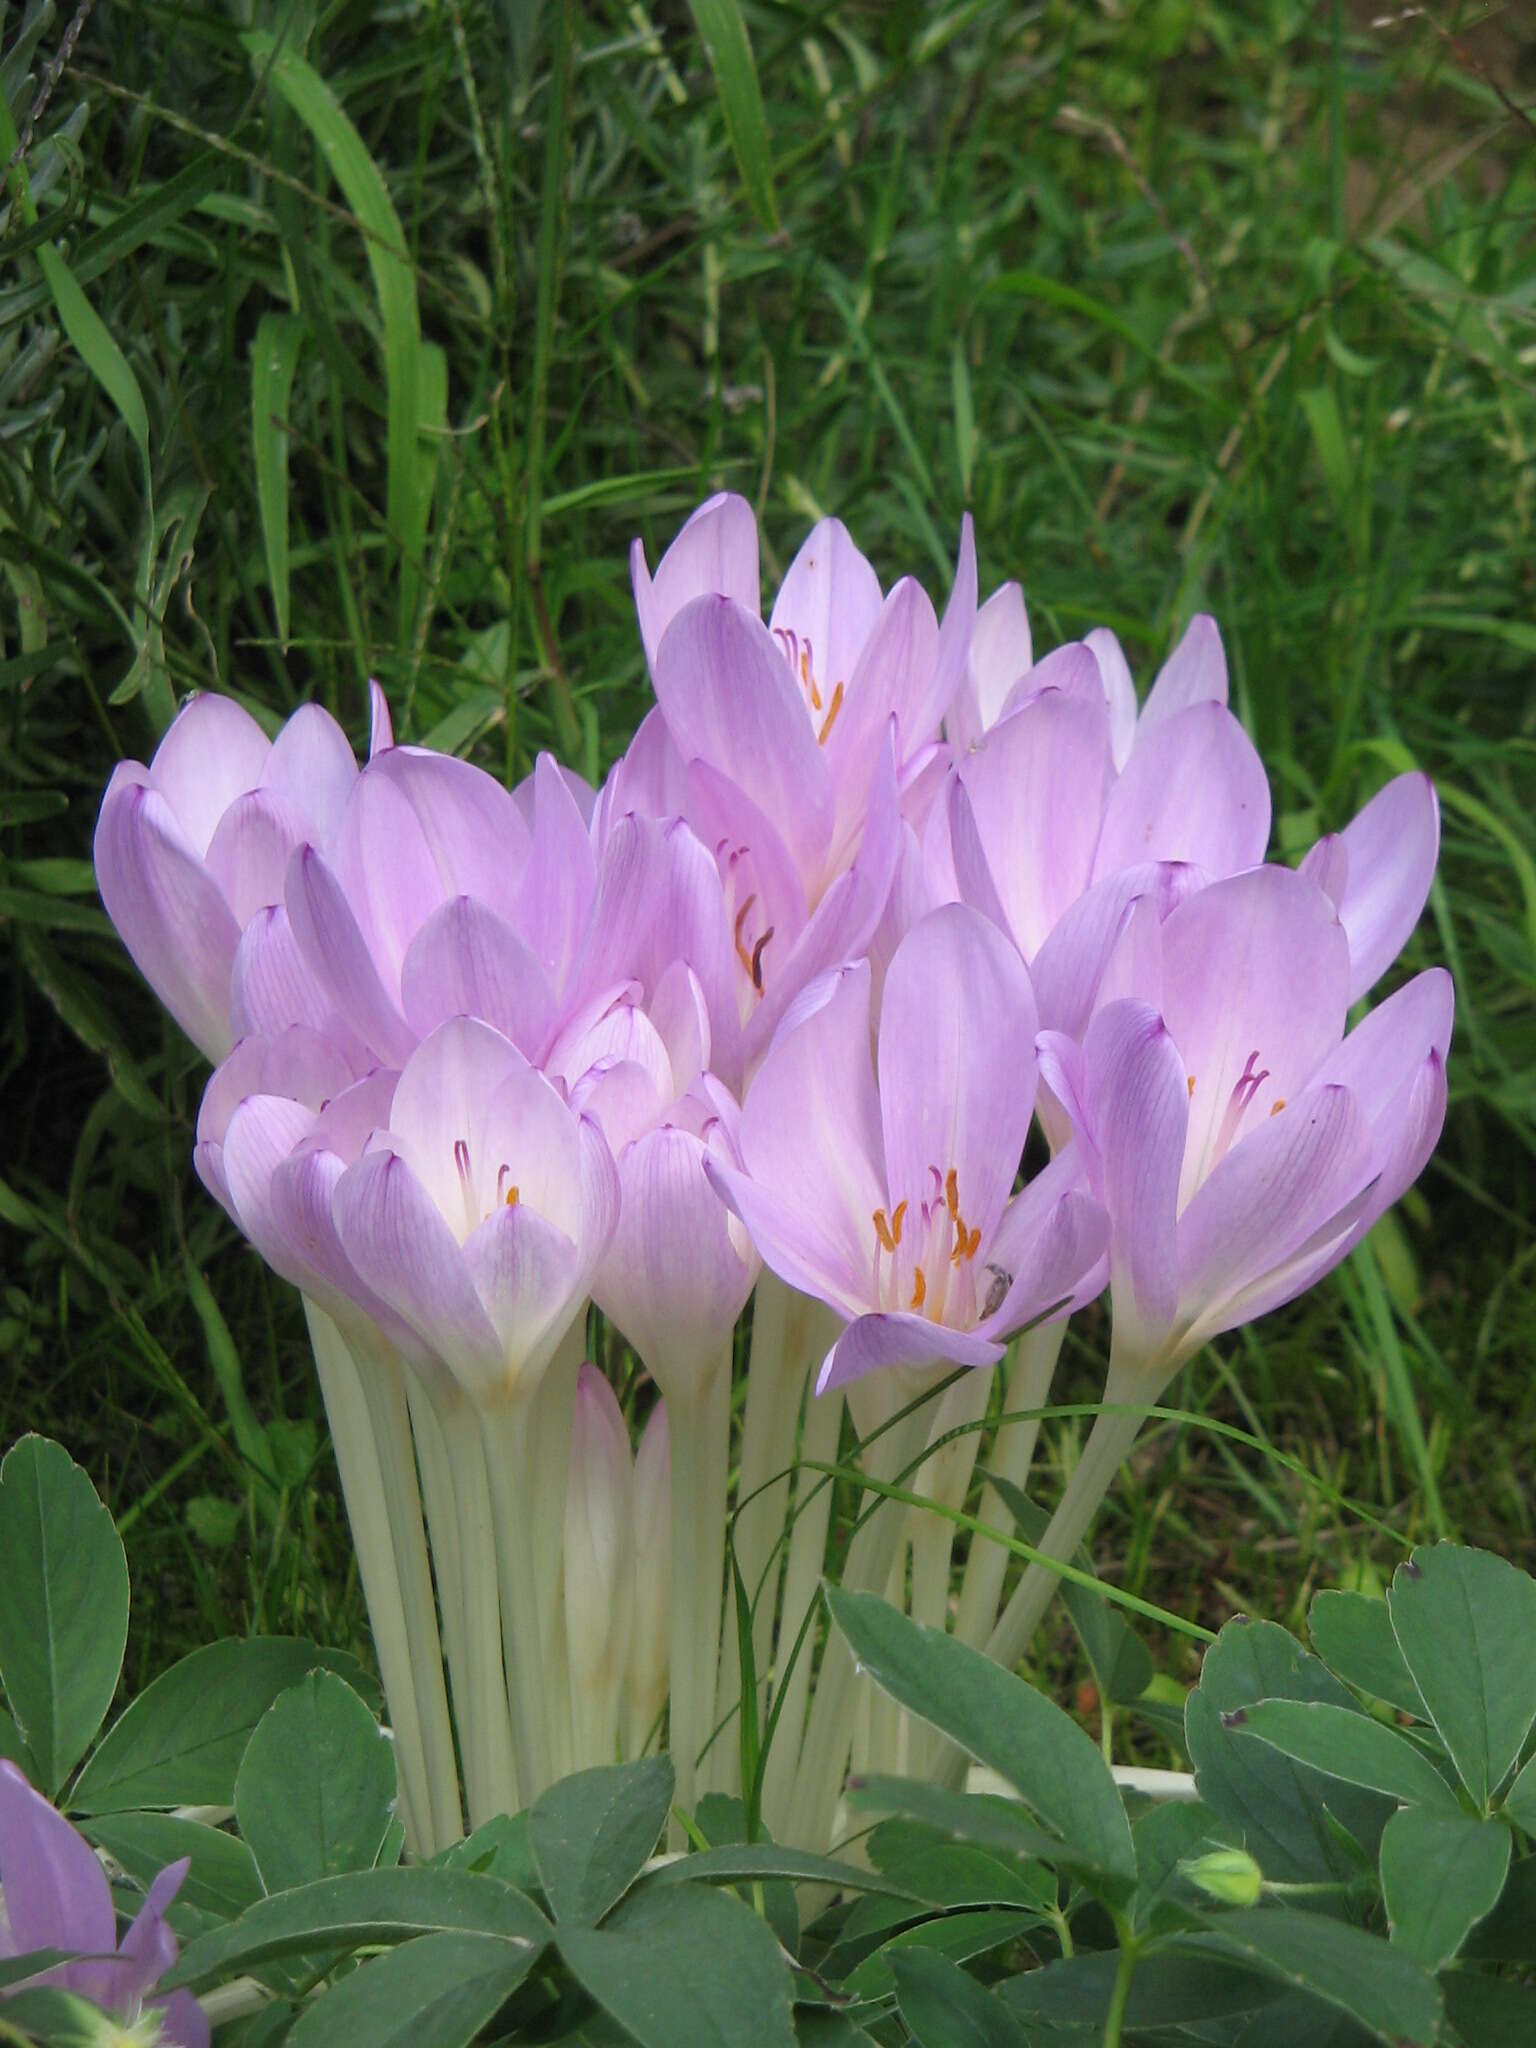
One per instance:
(1027, 1386)
(551, 1416)
(944, 1478)
(479, 1679)
(1113, 1433)
(818, 1780)
(437, 1498)
(511, 1462)
(802, 1576)
(362, 1489)
(699, 1422)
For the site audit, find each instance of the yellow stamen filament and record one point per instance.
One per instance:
(832, 711)
(919, 1286)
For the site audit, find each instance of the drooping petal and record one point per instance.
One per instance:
(1195, 673)
(1000, 654)
(249, 852)
(1037, 789)
(1269, 1194)
(56, 1893)
(810, 1124)
(730, 701)
(396, 1237)
(1119, 691)
(956, 1065)
(311, 770)
(167, 908)
(715, 554)
(1136, 1099)
(213, 752)
(826, 608)
(877, 1341)
(1255, 974)
(1193, 790)
(560, 877)
(466, 961)
(1392, 845)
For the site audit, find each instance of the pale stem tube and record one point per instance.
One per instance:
(699, 1423)
(882, 1721)
(511, 1464)
(802, 1576)
(479, 1678)
(438, 1492)
(1114, 1431)
(944, 1478)
(550, 1418)
(362, 1492)
(818, 1780)
(1026, 1387)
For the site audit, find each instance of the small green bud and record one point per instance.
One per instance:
(1228, 1875)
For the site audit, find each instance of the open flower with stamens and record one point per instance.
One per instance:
(886, 1191)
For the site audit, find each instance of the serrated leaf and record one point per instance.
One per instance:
(316, 1788)
(1440, 1875)
(1343, 1743)
(64, 1608)
(592, 1833)
(1053, 1765)
(1352, 1633)
(437, 1991)
(1465, 1622)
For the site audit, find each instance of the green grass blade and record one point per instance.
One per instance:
(274, 359)
(724, 36)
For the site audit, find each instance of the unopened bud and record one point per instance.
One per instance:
(1228, 1875)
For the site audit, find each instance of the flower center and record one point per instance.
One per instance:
(476, 1209)
(749, 931)
(802, 666)
(925, 1258)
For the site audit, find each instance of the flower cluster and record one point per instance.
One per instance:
(870, 896)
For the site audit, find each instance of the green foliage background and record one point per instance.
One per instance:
(355, 340)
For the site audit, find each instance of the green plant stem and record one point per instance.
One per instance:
(362, 1491)
(1027, 1386)
(699, 1422)
(1120, 1996)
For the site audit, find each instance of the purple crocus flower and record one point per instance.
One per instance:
(54, 1895)
(887, 1193)
(1241, 1144)
(189, 848)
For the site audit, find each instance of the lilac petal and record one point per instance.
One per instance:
(1195, 673)
(649, 779)
(957, 1075)
(213, 752)
(1392, 845)
(1255, 973)
(526, 1137)
(385, 870)
(1327, 864)
(299, 1239)
(1386, 1046)
(272, 985)
(810, 1124)
(473, 832)
(248, 854)
(167, 908)
(1069, 669)
(876, 1341)
(1037, 789)
(893, 681)
(311, 770)
(381, 728)
(396, 1237)
(730, 701)
(524, 1269)
(1000, 653)
(338, 956)
(581, 793)
(955, 632)
(560, 878)
(789, 1240)
(1136, 1099)
(1194, 790)
(301, 1064)
(680, 1012)
(673, 1278)
(468, 962)
(149, 1947)
(911, 898)
(56, 1893)
(1119, 691)
(826, 608)
(1052, 1268)
(714, 555)
(262, 1133)
(1069, 970)
(184, 2024)
(1269, 1194)
(438, 1121)
(752, 859)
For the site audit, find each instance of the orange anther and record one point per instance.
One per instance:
(919, 1287)
(1277, 1105)
(1191, 1087)
(832, 711)
(756, 969)
(952, 1193)
(512, 1196)
(883, 1231)
(899, 1212)
(808, 679)
(741, 917)
(967, 1244)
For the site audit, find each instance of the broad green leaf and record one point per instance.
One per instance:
(1282, 1808)
(1440, 1875)
(365, 1909)
(1352, 1633)
(274, 358)
(761, 1862)
(302, 88)
(1343, 1743)
(222, 1881)
(1168, 1990)
(499, 1846)
(316, 1788)
(435, 1992)
(1489, 2012)
(591, 1834)
(684, 1966)
(970, 1816)
(50, 2018)
(180, 1742)
(1054, 1766)
(1120, 1660)
(957, 1936)
(723, 33)
(64, 1607)
(1465, 1622)
(1387, 1992)
(14, 1750)
(1520, 1799)
(943, 2007)
(1508, 1935)
(16, 1969)
(1166, 1836)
